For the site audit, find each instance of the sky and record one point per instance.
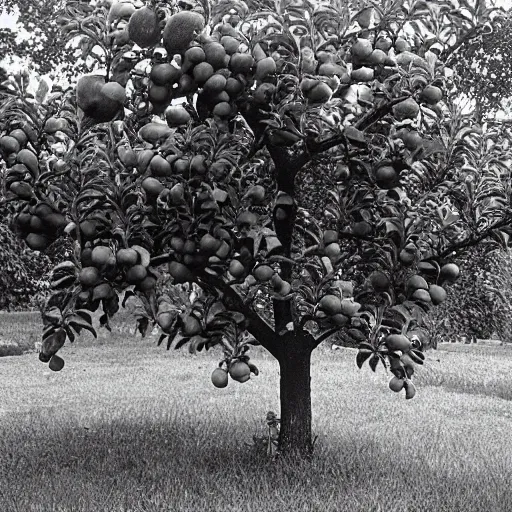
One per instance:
(7, 21)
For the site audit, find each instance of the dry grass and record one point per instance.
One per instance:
(134, 427)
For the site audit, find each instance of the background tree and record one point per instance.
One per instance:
(37, 40)
(478, 305)
(24, 279)
(482, 61)
(187, 158)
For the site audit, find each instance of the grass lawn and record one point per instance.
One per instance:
(132, 427)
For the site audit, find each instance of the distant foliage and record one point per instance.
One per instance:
(479, 303)
(23, 275)
(45, 49)
(484, 65)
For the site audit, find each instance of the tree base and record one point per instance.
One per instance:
(295, 438)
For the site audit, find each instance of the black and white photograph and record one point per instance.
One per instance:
(255, 255)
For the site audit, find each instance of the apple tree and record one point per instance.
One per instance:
(183, 159)
(24, 276)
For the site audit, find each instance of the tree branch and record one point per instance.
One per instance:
(472, 241)
(325, 335)
(368, 119)
(377, 113)
(314, 147)
(287, 166)
(448, 54)
(257, 326)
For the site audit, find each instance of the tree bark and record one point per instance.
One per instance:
(295, 438)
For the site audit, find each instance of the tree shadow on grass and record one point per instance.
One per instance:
(208, 460)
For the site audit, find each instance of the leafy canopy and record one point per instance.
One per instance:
(184, 159)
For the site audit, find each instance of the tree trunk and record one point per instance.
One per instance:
(295, 364)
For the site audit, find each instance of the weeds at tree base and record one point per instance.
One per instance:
(268, 444)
